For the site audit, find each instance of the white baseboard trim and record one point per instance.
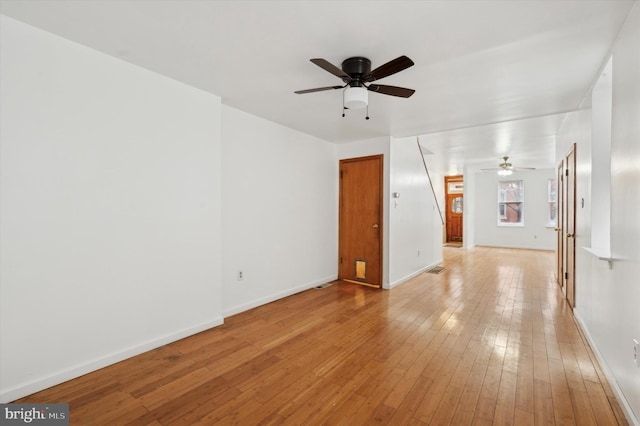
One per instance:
(273, 297)
(411, 275)
(514, 247)
(62, 376)
(626, 408)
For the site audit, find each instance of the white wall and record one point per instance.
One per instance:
(437, 179)
(469, 224)
(110, 213)
(535, 234)
(601, 170)
(415, 228)
(625, 209)
(607, 300)
(279, 212)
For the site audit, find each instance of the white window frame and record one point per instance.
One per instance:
(502, 204)
(552, 203)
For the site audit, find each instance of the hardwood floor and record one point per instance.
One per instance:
(489, 340)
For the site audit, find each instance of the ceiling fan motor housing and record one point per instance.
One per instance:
(356, 67)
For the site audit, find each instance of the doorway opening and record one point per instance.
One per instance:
(454, 208)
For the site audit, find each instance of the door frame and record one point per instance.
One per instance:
(447, 180)
(560, 255)
(570, 226)
(341, 233)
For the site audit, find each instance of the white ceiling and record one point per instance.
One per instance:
(492, 78)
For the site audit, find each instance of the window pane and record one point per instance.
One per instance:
(456, 205)
(510, 202)
(510, 212)
(455, 187)
(552, 197)
(512, 190)
(553, 190)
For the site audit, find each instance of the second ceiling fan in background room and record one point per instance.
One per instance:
(505, 168)
(355, 73)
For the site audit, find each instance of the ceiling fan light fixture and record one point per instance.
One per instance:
(505, 172)
(356, 97)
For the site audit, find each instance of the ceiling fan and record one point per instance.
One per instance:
(356, 73)
(505, 168)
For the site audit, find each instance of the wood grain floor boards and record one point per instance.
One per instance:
(489, 340)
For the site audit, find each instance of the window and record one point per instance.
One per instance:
(456, 205)
(552, 198)
(455, 187)
(510, 203)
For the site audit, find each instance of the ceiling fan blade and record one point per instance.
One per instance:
(317, 89)
(401, 92)
(328, 66)
(391, 67)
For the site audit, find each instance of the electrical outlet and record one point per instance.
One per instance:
(240, 275)
(636, 355)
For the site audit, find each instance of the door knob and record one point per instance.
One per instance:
(557, 229)
(375, 225)
(570, 235)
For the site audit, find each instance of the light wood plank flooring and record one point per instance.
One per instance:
(489, 340)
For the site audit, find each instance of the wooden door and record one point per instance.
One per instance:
(453, 189)
(454, 218)
(560, 226)
(570, 226)
(360, 220)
